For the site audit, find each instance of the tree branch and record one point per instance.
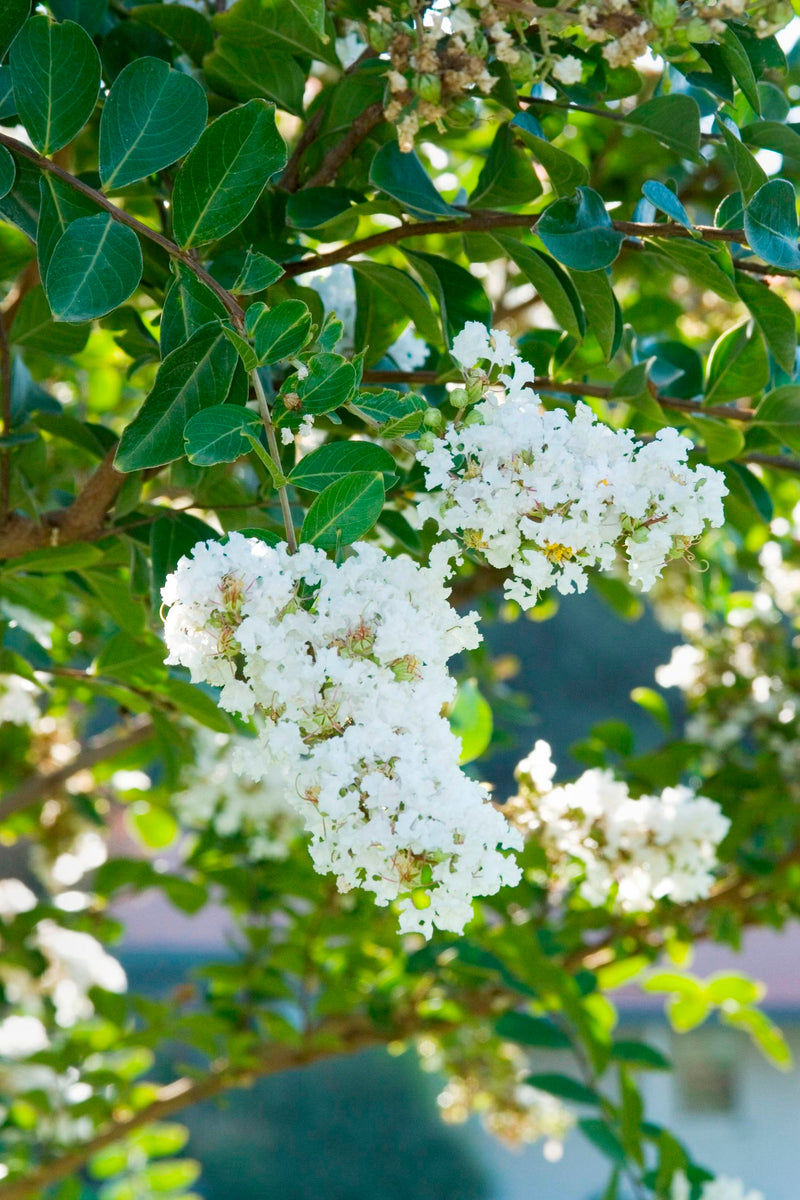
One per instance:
(124, 218)
(339, 154)
(108, 744)
(83, 520)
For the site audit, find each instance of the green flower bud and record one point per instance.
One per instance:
(458, 398)
(462, 113)
(524, 68)
(379, 36)
(433, 419)
(428, 87)
(427, 441)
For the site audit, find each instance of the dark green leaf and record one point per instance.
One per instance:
(507, 178)
(553, 285)
(531, 1031)
(222, 178)
(189, 30)
(196, 375)
(55, 69)
(299, 24)
(88, 13)
(603, 1138)
(329, 383)
(217, 434)
(316, 206)
(774, 318)
(15, 14)
(749, 172)
(258, 272)
(330, 462)
(722, 441)
(345, 510)
(578, 231)
(152, 117)
(21, 204)
(8, 107)
(736, 60)
(171, 537)
(771, 135)
(674, 120)
(7, 171)
(566, 172)
(564, 1087)
(737, 365)
(188, 305)
(279, 332)
(460, 295)
(60, 205)
(255, 72)
(770, 223)
(603, 314)
(403, 177)
(400, 289)
(35, 328)
(779, 411)
(95, 266)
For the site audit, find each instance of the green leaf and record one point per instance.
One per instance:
(334, 460)
(223, 176)
(7, 171)
(279, 332)
(398, 413)
(88, 13)
(471, 721)
(8, 107)
(403, 177)
(171, 1176)
(21, 204)
(95, 266)
(687, 1012)
(639, 1055)
(603, 314)
(674, 120)
(748, 488)
(766, 1035)
(722, 441)
(188, 29)
(243, 348)
(160, 1140)
(55, 70)
(151, 826)
(345, 510)
(258, 272)
(507, 178)
(170, 538)
(736, 60)
(737, 366)
(728, 986)
(460, 295)
(770, 223)
(564, 1087)
(55, 559)
(566, 173)
(665, 200)
(15, 14)
(779, 412)
(603, 1139)
(531, 1031)
(771, 135)
(188, 306)
(702, 262)
(299, 24)
(654, 703)
(750, 173)
(553, 285)
(578, 231)
(197, 375)
(398, 288)
(59, 206)
(217, 434)
(774, 318)
(255, 72)
(152, 117)
(35, 328)
(730, 212)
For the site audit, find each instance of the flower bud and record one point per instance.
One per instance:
(427, 441)
(433, 419)
(524, 68)
(379, 36)
(428, 87)
(462, 113)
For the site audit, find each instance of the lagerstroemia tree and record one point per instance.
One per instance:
(326, 329)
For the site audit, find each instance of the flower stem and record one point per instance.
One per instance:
(272, 443)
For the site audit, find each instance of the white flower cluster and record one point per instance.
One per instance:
(721, 1188)
(20, 1037)
(635, 851)
(336, 289)
(215, 795)
(343, 670)
(17, 700)
(550, 495)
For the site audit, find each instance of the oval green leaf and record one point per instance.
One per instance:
(345, 510)
(578, 231)
(226, 172)
(770, 223)
(95, 266)
(217, 434)
(152, 117)
(55, 70)
(334, 460)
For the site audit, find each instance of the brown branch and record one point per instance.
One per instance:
(119, 214)
(338, 155)
(546, 383)
(83, 520)
(43, 785)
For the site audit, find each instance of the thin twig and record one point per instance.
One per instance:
(272, 443)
